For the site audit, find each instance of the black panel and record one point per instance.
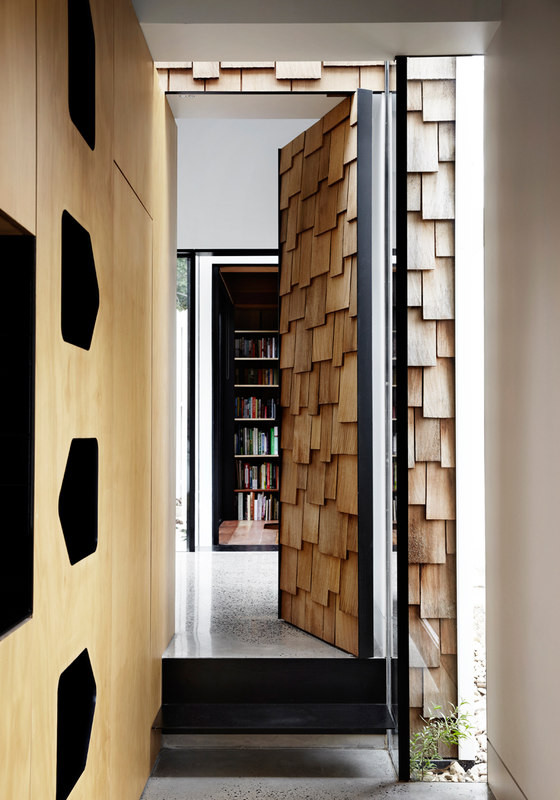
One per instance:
(273, 695)
(273, 680)
(79, 289)
(76, 707)
(81, 69)
(365, 422)
(223, 381)
(77, 502)
(17, 369)
(186, 293)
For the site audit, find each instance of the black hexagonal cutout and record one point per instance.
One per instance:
(81, 69)
(77, 694)
(79, 288)
(77, 502)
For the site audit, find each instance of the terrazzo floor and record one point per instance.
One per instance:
(287, 768)
(227, 607)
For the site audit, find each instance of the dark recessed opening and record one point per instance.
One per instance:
(77, 502)
(79, 288)
(17, 369)
(76, 707)
(81, 69)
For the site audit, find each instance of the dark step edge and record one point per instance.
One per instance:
(289, 718)
(273, 680)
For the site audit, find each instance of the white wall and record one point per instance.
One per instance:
(469, 378)
(522, 393)
(228, 181)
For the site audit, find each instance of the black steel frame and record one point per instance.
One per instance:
(365, 421)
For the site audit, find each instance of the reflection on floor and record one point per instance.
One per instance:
(280, 767)
(227, 607)
(248, 533)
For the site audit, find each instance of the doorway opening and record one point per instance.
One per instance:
(246, 407)
(328, 371)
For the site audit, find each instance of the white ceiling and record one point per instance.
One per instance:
(326, 30)
(314, 41)
(332, 11)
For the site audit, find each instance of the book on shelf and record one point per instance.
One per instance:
(256, 476)
(254, 346)
(255, 442)
(257, 506)
(255, 408)
(253, 376)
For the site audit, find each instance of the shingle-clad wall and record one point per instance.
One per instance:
(271, 76)
(431, 385)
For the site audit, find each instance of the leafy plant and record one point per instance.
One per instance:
(438, 729)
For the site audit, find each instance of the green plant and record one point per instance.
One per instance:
(438, 729)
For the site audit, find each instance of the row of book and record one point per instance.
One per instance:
(257, 476)
(256, 442)
(251, 347)
(255, 408)
(259, 506)
(257, 377)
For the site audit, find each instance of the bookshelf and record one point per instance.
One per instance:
(246, 375)
(256, 431)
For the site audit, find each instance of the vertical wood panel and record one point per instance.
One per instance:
(72, 603)
(131, 472)
(15, 696)
(163, 377)
(18, 118)
(134, 71)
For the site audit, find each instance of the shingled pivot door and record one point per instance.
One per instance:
(333, 496)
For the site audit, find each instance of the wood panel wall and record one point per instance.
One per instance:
(118, 601)
(18, 118)
(18, 128)
(431, 385)
(318, 361)
(164, 342)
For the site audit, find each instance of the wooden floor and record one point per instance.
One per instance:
(248, 533)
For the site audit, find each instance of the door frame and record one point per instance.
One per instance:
(399, 700)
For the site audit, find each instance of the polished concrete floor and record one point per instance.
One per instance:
(227, 607)
(287, 768)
